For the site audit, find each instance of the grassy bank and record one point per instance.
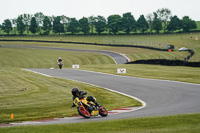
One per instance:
(132, 53)
(32, 96)
(159, 41)
(36, 58)
(189, 123)
(174, 73)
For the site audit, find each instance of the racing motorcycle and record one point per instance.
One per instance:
(60, 65)
(88, 108)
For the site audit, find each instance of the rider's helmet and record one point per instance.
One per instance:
(75, 91)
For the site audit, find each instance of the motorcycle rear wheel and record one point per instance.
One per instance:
(103, 112)
(83, 112)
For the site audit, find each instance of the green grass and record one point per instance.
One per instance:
(132, 53)
(189, 123)
(159, 41)
(22, 92)
(174, 73)
(32, 96)
(36, 58)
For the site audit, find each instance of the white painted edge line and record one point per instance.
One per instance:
(36, 72)
(140, 78)
(128, 59)
(143, 103)
(110, 57)
(26, 123)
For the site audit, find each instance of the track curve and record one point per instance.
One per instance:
(117, 57)
(161, 96)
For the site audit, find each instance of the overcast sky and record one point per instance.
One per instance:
(78, 8)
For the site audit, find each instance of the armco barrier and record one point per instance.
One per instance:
(99, 44)
(166, 62)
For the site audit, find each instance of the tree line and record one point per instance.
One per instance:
(154, 22)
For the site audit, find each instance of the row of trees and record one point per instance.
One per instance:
(156, 21)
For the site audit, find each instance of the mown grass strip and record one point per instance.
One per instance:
(174, 73)
(189, 123)
(38, 58)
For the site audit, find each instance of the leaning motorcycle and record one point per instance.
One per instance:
(88, 108)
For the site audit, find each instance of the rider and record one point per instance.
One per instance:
(60, 62)
(81, 94)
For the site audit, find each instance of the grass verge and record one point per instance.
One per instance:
(188, 123)
(174, 73)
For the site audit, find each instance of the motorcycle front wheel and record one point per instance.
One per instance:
(83, 112)
(103, 112)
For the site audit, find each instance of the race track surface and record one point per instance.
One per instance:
(161, 97)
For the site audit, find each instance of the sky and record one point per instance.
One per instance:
(10, 9)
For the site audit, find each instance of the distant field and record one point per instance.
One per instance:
(158, 41)
(198, 25)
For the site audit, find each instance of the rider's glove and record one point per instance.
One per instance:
(73, 106)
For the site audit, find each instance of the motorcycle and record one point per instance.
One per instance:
(60, 65)
(88, 108)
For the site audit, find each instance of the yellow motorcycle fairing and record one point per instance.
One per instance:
(77, 101)
(94, 113)
(84, 101)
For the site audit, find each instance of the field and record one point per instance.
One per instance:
(158, 41)
(31, 96)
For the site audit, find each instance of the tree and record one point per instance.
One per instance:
(100, 24)
(47, 25)
(20, 25)
(58, 27)
(187, 24)
(26, 20)
(92, 21)
(84, 25)
(14, 25)
(114, 23)
(33, 26)
(39, 19)
(7, 26)
(157, 23)
(150, 21)
(73, 26)
(164, 15)
(142, 24)
(65, 21)
(174, 24)
(128, 22)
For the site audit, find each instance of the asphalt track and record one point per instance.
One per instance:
(162, 97)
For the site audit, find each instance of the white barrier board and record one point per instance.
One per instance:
(75, 66)
(121, 70)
